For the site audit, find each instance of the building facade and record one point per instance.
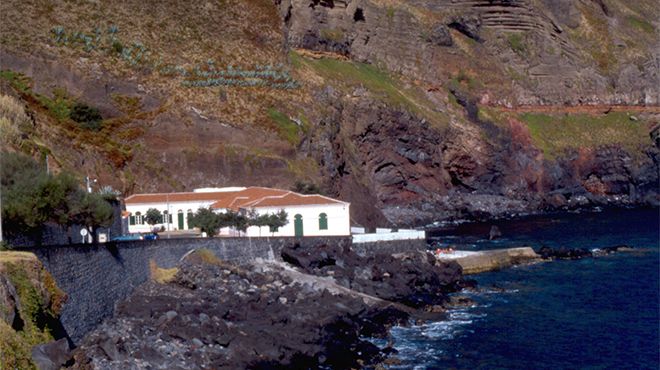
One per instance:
(307, 215)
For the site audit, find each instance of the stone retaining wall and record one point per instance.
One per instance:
(95, 277)
(389, 246)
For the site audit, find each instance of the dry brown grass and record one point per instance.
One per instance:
(13, 121)
(161, 275)
(16, 257)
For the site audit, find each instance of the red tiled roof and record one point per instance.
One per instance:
(292, 199)
(250, 197)
(177, 197)
(238, 199)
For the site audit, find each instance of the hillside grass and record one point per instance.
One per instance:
(378, 82)
(554, 134)
(285, 127)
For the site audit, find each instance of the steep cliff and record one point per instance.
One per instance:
(30, 303)
(414, 111)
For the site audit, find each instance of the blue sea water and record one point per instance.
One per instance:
(594, 313)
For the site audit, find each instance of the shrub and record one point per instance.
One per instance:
(517, 43)
(88, 117)
(117, 47)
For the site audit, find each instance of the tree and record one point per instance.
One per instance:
(238, 221)
(153, 216)
(272, 220)
(31, 198)
(306, 188)
(207, 220)
(278, 220)
(91, 210)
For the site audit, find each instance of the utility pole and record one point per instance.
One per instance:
(1, 197)
(89, 182)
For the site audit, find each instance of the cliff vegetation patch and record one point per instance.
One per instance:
(353, 75)
(31, 303)
(555, 133)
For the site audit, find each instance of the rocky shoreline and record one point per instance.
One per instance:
(270, 315)
(323, 307)
(320, 308)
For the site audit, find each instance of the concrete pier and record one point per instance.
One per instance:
(482, 261)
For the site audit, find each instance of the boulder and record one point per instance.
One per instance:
(494, 233)
(467, 24)
(440, 36)
(52, 355)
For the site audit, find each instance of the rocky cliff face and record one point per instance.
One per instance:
(565, 52)
(414, 111)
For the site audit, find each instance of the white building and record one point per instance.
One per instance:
(308, 215)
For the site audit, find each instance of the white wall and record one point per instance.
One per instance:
(337, 215)
(338, 220)
(174, 208)
(401, 235)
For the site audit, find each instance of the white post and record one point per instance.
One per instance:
(167, 218)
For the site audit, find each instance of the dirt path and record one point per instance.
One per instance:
(590, 109)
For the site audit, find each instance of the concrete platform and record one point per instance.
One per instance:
(496, 259)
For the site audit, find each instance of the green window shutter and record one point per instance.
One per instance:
(323, 221)
(131, 220)
(273, 229)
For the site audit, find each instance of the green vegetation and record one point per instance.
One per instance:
(332, 34)
(390, 12)
(378, 82)
(61, 106)
(136, 54)
(78, 121)
(14, 349)
(464, 80)
(31, 198)
(39, 304)
(517, 43)
(210, 222)
(285, 127)
(206, 220)
(306, 188)
(16, 80)
(153, 216)
(640, 24)
(553, 134)
(88, 117)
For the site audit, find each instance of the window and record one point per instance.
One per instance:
(189, 215)
(273, 229)
(138, 218)
(323, 221)
(166, 218)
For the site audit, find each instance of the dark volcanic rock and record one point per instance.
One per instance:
(577, 253)
(440, 36)
(51, 356)
(563, 253)
(467, 24)
(221, 316)
(415, 279)
(494, 233)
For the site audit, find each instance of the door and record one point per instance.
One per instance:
(298, 225)
(180, 220)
